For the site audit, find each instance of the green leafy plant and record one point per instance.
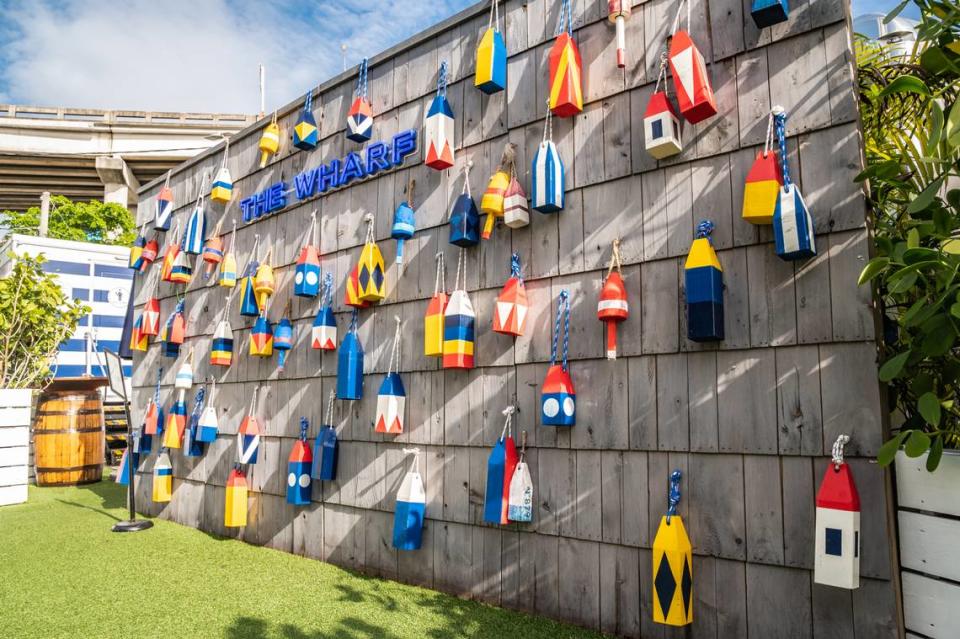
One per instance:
(35, 318)
(93, 221)
(911, 126)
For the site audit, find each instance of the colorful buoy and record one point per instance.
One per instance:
(458, 324)
(228, 267)
(438, 127)
(350, 363)
(235, 507)
(152, 417)
(192, 446)
(501, 465)
(170, 253)
(492, 202)
(360, 115)
(269, 140)
(566, 83)
(221, 348)
(176, 422)
(196, 231)
(618, 11)
(520, 505)
(661, 126)
(325, 447)
(672, 565)
(464, 217)
(613, 307)
(491, 72)
(150, 251)
(694, 93)
(703, 277)
(433, 320)
(516, 214)
(136, 252)
(547, 173)
(392, 397)
(410, 509)
(138, 340)
(209, 423)
(298, 469)
(306, 279)
(762, 188)
(162, 478)
(324, 331)
(248, 435)
(222, 189)
(837, 543)
(174, 331)
(283, 340)
(212, 253)
(766, 13)
(264, 283)
(151, 317)
(404, 222)
(510, 313)
(182, 270)
(351, 293)
(123, 472)
(558, 399)
(261, 337)
(305, 132)
(163, 207)
(371, 274)
(792, 224)
(248, 298)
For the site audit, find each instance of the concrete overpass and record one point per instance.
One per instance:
(95, 154)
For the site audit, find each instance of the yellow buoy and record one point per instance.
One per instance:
(269, 141)
(672, 566)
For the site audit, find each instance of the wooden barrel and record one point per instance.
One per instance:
(68, 438)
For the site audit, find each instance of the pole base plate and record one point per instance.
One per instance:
(132, 526)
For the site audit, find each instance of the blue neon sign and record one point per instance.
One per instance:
(377, 157)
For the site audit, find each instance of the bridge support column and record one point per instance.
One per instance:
(119, 183)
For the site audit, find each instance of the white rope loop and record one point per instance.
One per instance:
(507, 422)
(494, 21)
(441, 275)
(329, 414)
(466, 178)
(548, 125)
(394, 365)
(253, 402)
(837, 455)
(461, 262)
(615, 258)
(416, 457)
(368, 218)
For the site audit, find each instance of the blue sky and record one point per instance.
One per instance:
(201, 55)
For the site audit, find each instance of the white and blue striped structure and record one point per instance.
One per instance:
(100, 277)
(196, 232)
(792, 224)
(547, 170)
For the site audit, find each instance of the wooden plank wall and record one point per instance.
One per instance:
(750, 421)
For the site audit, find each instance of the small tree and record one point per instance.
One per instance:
(93, 221)
(35, 319)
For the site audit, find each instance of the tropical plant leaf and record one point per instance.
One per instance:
(905, 282)
(917, 444)
(895, 11)
(936, 452)
(929, 407)
(953, 125)
(888, 451)
(893, 366)
(872, 269)
(925, 197)
(906, 84)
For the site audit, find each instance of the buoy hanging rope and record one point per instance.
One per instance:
(780, 125)
(563, 312)
(441, 275)
(565, 21)
(394, 364)
(673, 496)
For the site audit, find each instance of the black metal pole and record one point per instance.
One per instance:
(131, 463)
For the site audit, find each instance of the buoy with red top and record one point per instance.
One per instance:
(360, 115)
(510, 313)
(174, 331)
(837, 545)
(213, 251)
(163, 207)
(298, 469)
(613, 307)
(558, 399)
(149, 254)
(694, 93)
(566, 68)
(661, 124)
(392, 397)
(763, 183)
(618, 12)
(151, 316)
(170, 253)
(306, 279)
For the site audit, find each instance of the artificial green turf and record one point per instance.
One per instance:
(64, 574)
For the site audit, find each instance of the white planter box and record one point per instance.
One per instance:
(15, 408)
(929, 553)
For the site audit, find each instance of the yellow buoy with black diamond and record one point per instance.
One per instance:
(672, 566)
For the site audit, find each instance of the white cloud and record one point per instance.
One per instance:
(193, 55)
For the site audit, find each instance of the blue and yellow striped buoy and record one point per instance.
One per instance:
(704, 288)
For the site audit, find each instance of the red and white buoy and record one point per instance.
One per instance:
(619, 12)
(612, 307)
